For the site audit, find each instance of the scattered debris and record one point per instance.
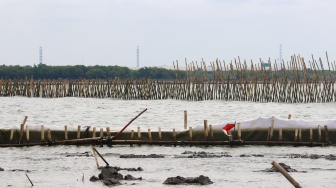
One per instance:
(283, 165)
(77, 154)
(141, 156)
(110, 175)
(178, 180)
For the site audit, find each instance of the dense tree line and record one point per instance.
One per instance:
(43, 71)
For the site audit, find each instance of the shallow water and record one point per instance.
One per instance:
(49, 166)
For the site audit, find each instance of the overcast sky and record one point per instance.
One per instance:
(107, 32)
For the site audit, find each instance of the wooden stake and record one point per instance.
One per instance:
(271, 131)
(300, 138)
(49, 134)
(27, 133)
(319, 133)
(211, 132)
(101, 132)
(65, 132)
(139, 134)
(160, 135)
(239, 132)
(205, 129)
(42, 133)
(289, 116)
(285, 173)
(310, 134)
(21, 133)
(108, 131)
(95, 156)
(132, 134)
(174, 134)
(149, 135)
(296, 135)
(327, 134)
(94, 132)
(280, 134)
(11, 136)
(78, 131)
(185, 119)
(190, 134)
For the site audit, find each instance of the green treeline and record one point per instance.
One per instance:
(43, 71)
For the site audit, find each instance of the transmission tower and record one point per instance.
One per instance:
(138, 56)
(40, 55)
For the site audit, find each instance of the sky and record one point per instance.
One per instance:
(107, 32)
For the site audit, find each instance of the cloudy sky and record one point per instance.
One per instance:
(107, 32)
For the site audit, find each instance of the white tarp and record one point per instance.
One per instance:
(265, 123)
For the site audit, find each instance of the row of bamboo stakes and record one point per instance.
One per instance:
(208, 133)
(294, 83)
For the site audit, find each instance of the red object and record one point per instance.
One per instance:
(229, 126)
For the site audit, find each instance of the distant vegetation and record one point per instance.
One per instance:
(43, 71)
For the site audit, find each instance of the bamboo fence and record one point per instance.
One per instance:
(291, 82)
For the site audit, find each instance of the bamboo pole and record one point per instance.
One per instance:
(190, 134)
(42, 133)
(271, 131)
(160, 135)
(101, 133)
(185, 119)
(11, 136)
(78, 131)
(139, 134)
(95, 156)
(49, 135)
(296, 135)
(205, 129)
(239, 132)
(21, 133)
(94, 132)
(132, 134)
(285, 173)
(65, 132)
(326, 132)
(108, 131)
(211, 132)
(149, 135)
(319, 133)
(27, 133)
